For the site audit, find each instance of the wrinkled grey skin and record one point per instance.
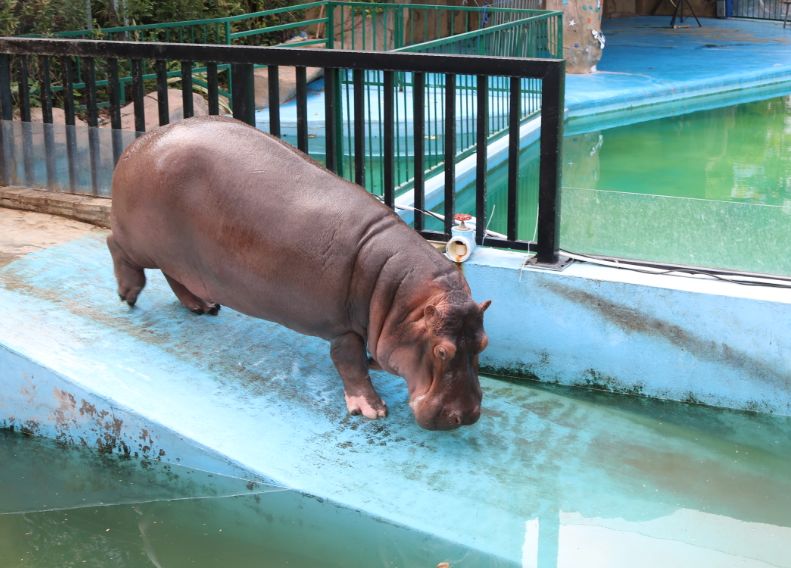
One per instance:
(235, 217)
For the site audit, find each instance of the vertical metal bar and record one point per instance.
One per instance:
(68, 107)
(24, 89)
(302, 109)
(68, 90)
(347, 100)
(243, 98)
(388, 127)
(481, 129)
(450, 151)
(89, 76)
(114, 89)
(24, 111)
(214, 95)
(49, 155)
(93, 122)
(46, 116)
(513, 158)
(372, 183)
(45, 85)
(138, 93)
(418, 114)
(330, 126)
(359, 128)
(428, 121)
(6, 109)
(186, 88)
(329, 31)
(550, 164)
(273, 78)
(7, 161)
(163, 103)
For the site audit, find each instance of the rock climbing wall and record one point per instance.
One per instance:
(583, 41)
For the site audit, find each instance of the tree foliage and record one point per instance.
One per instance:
(19, 17)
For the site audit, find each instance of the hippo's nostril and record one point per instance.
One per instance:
(455, 419)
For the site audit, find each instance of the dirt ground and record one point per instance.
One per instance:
(22, 232)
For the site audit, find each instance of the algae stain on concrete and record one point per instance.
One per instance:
(631, 320)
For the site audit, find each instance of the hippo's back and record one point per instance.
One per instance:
(242, 219)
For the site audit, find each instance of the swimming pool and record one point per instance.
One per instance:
(710, 188)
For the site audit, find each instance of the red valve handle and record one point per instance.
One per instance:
(461, 217)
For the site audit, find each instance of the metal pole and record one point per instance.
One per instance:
(88, 15)
(550, 165)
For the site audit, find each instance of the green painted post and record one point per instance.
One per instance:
(398, 32)
(329, 31)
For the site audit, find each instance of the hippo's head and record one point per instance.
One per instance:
(446, 393)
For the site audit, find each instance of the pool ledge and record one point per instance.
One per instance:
(681, 338)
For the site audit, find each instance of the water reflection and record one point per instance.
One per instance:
(740, 153)
(74, 159)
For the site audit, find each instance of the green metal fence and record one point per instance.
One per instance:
(522, 33)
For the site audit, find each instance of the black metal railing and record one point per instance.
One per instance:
(760, 9)
(101, 58)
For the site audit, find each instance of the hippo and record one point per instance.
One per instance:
(235, 217)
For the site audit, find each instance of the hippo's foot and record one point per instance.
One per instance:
(206, 308)
(190, 301)
(130, 277)
(365, 405)
(350, 358)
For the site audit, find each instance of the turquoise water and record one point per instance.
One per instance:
(603, 480)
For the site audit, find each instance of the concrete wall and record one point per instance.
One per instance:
(670, 337)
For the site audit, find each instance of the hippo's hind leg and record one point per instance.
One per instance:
(131, 278)
(190, 300)
(348, 354)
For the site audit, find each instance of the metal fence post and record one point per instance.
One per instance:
(243, 97)
(5, 88)
(329, 30)
(552, 90)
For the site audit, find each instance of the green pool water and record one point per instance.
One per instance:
(607, 480)
(63, 507)
(710, 188)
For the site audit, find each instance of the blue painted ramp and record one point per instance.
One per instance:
(258, 398)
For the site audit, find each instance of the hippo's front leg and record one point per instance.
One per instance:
(348, 354)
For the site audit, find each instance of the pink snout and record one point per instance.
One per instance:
(445, 416)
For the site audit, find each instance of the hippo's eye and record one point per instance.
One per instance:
(484, 342)
(445, 351)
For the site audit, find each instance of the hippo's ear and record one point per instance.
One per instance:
(484, 305)
(430, 312)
